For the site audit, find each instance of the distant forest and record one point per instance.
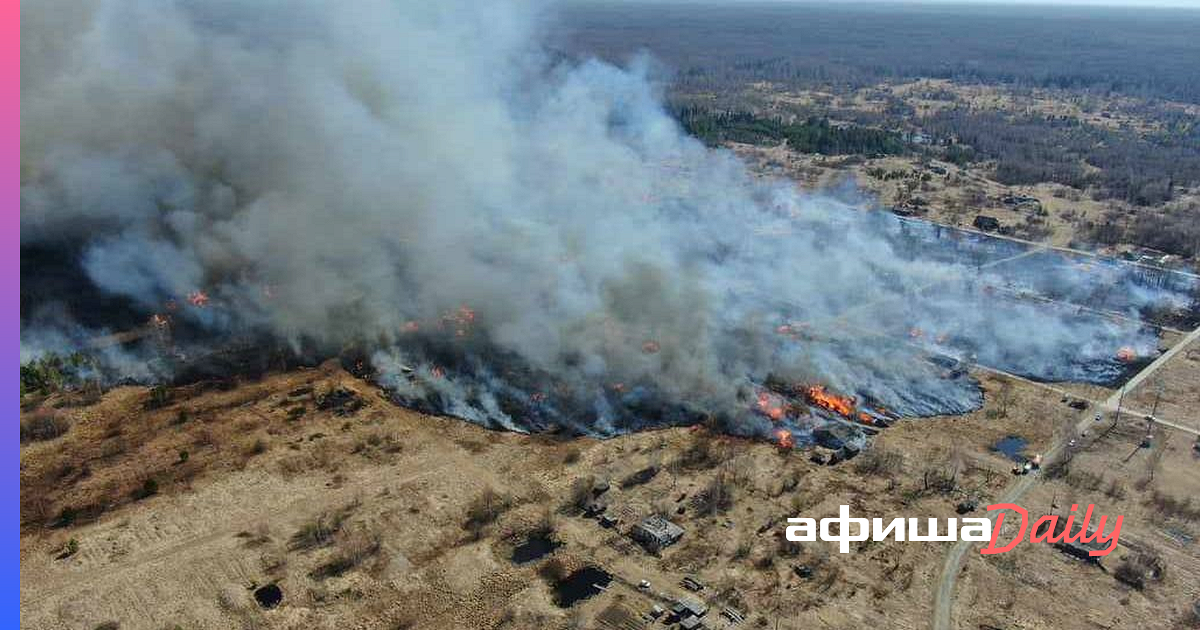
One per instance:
(1141, 169)
(710, 53)
(1140, 52)
(813, 135)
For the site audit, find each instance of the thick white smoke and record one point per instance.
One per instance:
(346, 173)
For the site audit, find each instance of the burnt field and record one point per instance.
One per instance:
(904, 352)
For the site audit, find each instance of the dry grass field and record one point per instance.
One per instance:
(366, 515)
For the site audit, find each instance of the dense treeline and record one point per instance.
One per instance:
(812, 135)
(1140, 52)
(1174, 231)
(1143, 169)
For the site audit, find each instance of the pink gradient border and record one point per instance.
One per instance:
(10, 280)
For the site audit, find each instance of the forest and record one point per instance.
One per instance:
(812, 135)
(713, 46)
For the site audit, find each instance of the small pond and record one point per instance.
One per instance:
(1012, 446)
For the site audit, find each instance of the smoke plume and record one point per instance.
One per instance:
(514, 237)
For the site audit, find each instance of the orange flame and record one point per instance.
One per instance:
(1127, 355)
(410, 327)
(916, 333)
(199, 299)
(819, 396)
(461, 319)
(650, 346)
(784, 439)
(159, 321)
(437, 372)
(770, 406)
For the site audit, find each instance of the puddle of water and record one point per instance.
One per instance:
(1012, 446)
(533, 548)
(580, 585)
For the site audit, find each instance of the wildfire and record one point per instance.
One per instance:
(916, 333)
(461, 319)
(770, 406)
(650, 346)
(159, 321)
(1127, 355)
(410, 326)
(795, 331)
(437, 372)
(784, 439)
(199, 299)
(819, 396)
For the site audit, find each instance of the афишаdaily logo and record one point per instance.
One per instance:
(1045, 529)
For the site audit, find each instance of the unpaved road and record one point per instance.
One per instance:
(943, 602)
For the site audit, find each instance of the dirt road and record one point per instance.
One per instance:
(943, 603)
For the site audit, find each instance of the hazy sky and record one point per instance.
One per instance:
(1190, 4)
(1193, 4)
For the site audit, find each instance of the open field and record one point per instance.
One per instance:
(419, 516)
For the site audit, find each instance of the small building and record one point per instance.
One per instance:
(1077, 549)
(986, 223)
(1081, 550)
(734, 615)
(838, 435)
(656, 532)
(692, 623)
(692, 584)
(685, 607)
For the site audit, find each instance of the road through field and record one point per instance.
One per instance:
(943, 603)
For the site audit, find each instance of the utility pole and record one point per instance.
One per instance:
(1120, 400)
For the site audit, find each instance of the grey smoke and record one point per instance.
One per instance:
(331, 172)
